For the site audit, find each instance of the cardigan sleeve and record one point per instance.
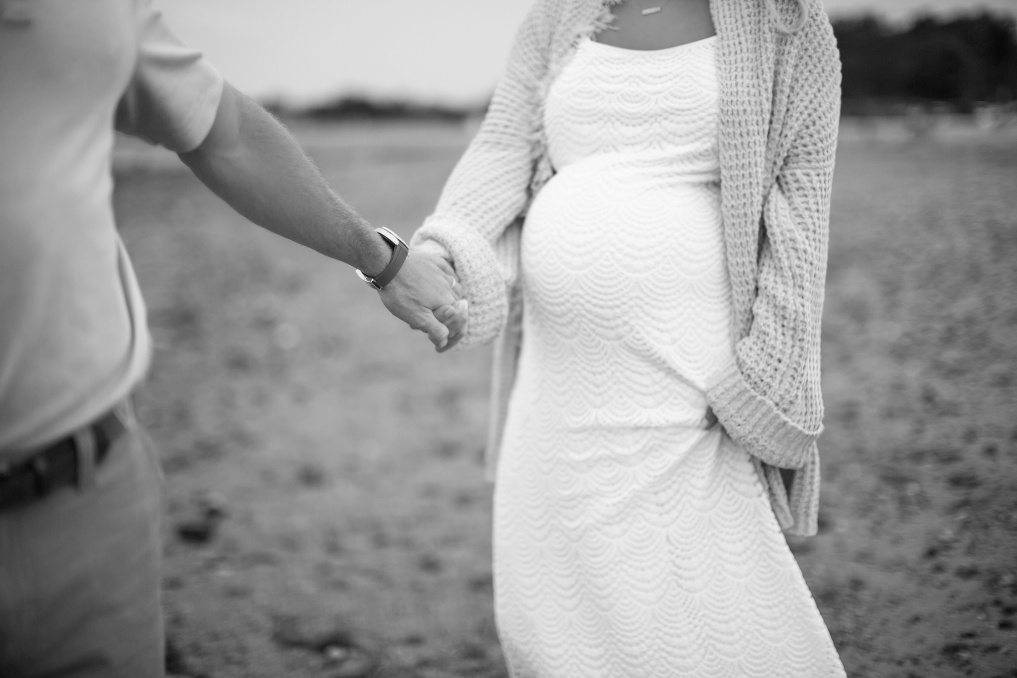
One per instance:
(489, 187)
(769, 399)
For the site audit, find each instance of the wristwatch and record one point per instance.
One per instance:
(399, 251)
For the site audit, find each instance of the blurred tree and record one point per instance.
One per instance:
(358, 107)
(956, 62)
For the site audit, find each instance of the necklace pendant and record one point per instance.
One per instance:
(651, 10)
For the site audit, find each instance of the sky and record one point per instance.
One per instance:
(433, 51)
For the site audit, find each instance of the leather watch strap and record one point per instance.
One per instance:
(399, 252)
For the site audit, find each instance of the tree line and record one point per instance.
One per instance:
(955, 63)
(359, 107)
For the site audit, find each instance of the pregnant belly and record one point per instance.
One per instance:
(627, 306)
(607, 243)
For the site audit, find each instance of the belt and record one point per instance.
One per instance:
(55, 466)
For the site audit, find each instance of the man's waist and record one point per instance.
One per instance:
(69, 461)
(33, 416)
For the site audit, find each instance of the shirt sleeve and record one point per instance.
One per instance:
(472, 226)
(174, 93)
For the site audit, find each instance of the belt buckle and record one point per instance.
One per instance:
(39, 466)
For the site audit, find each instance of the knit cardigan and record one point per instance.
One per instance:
(779, 110)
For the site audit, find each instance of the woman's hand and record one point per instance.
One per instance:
(424, 296)
(456, 318)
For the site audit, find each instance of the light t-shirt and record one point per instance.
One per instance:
(73, 337)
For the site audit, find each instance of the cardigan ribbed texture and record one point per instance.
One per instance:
(779, 112)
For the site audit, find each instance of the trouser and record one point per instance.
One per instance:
(80, 574)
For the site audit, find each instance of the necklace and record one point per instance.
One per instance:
(655, 9)
(645, 11)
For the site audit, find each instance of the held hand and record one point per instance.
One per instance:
(423, 288)
(456, 318)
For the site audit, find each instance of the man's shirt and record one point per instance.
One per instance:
(73, 338)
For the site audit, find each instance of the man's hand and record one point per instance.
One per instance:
(423, 296)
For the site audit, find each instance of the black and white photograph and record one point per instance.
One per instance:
(508, 339)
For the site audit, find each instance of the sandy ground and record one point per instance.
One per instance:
(327, 513)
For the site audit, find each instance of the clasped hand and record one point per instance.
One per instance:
(425, 296)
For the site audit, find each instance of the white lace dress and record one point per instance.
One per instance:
(631, 539)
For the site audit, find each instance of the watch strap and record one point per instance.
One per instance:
(399, 252)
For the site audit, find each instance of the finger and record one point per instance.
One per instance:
(454, 317)
(453, 279)
(456, 289)
(435, 330)
(446, 267)
(446, 315)
(452, 341)
(446, 295)
(459, 294)
(457, 325)
(453, 282)
(456, 313)
(460, 308)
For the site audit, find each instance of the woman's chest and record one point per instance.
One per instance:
(657, 105)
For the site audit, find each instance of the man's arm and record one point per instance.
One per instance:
(249, 160)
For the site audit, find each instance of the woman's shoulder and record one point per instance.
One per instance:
(552, 11)
(551, 25)
(812, 57)
(544, 19)
(815, 43)
(818, 29)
